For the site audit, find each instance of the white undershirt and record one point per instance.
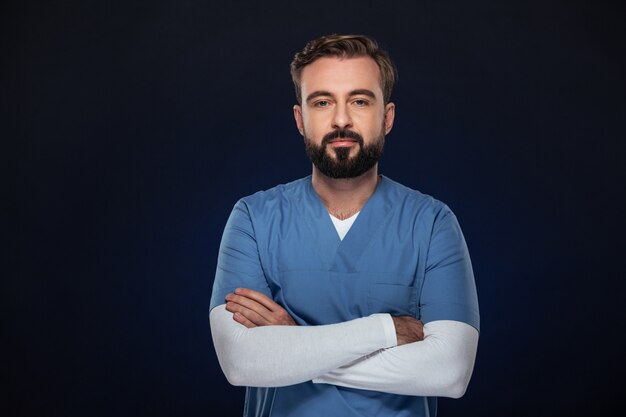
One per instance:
(343, 226)
(360, 353)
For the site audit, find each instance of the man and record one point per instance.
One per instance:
(344, 293)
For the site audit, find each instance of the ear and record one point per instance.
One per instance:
(390, 114)
(297, 114)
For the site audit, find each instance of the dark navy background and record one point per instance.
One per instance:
(131, 128)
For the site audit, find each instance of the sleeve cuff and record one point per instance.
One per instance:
(389, 328)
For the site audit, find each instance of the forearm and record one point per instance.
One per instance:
(440, 365)
(272, 356)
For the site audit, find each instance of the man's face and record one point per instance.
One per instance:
(343, 117)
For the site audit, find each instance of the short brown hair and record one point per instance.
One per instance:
(344, 46)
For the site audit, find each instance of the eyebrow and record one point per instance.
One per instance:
(316, 94)
(361, 91)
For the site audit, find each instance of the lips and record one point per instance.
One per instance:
(345, 137)
(342, 142)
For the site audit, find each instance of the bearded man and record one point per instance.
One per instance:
(344, 293)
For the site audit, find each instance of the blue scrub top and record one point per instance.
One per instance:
(404, 255)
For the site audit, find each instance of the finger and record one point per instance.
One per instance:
(259, 297)
(240, 318)
(251, 315)
(250, 304)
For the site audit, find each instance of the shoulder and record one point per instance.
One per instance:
(278, 197)
(413, 202)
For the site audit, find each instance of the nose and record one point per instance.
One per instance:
(341, 117)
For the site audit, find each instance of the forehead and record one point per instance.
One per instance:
(340, 75)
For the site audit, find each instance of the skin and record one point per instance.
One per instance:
(337, 93)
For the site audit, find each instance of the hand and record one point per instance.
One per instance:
(408, 329)
(252, 309)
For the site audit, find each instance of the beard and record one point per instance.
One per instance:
(344, 166)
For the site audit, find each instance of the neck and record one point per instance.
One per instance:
(343, 197)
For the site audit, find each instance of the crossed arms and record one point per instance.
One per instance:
(258, 344)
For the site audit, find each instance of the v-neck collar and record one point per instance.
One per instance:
(342, 255)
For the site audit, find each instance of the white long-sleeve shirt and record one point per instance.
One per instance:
(361, 353)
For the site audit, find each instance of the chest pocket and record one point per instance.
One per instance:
(395, 299)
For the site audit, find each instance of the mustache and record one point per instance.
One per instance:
(342, 133)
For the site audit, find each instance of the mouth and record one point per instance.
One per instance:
(342, 142)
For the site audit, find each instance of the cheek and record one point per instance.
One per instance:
(314, 125)
(374, 129)
(369, 121)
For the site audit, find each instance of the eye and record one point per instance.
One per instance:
(361, 102)
(322, 103)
